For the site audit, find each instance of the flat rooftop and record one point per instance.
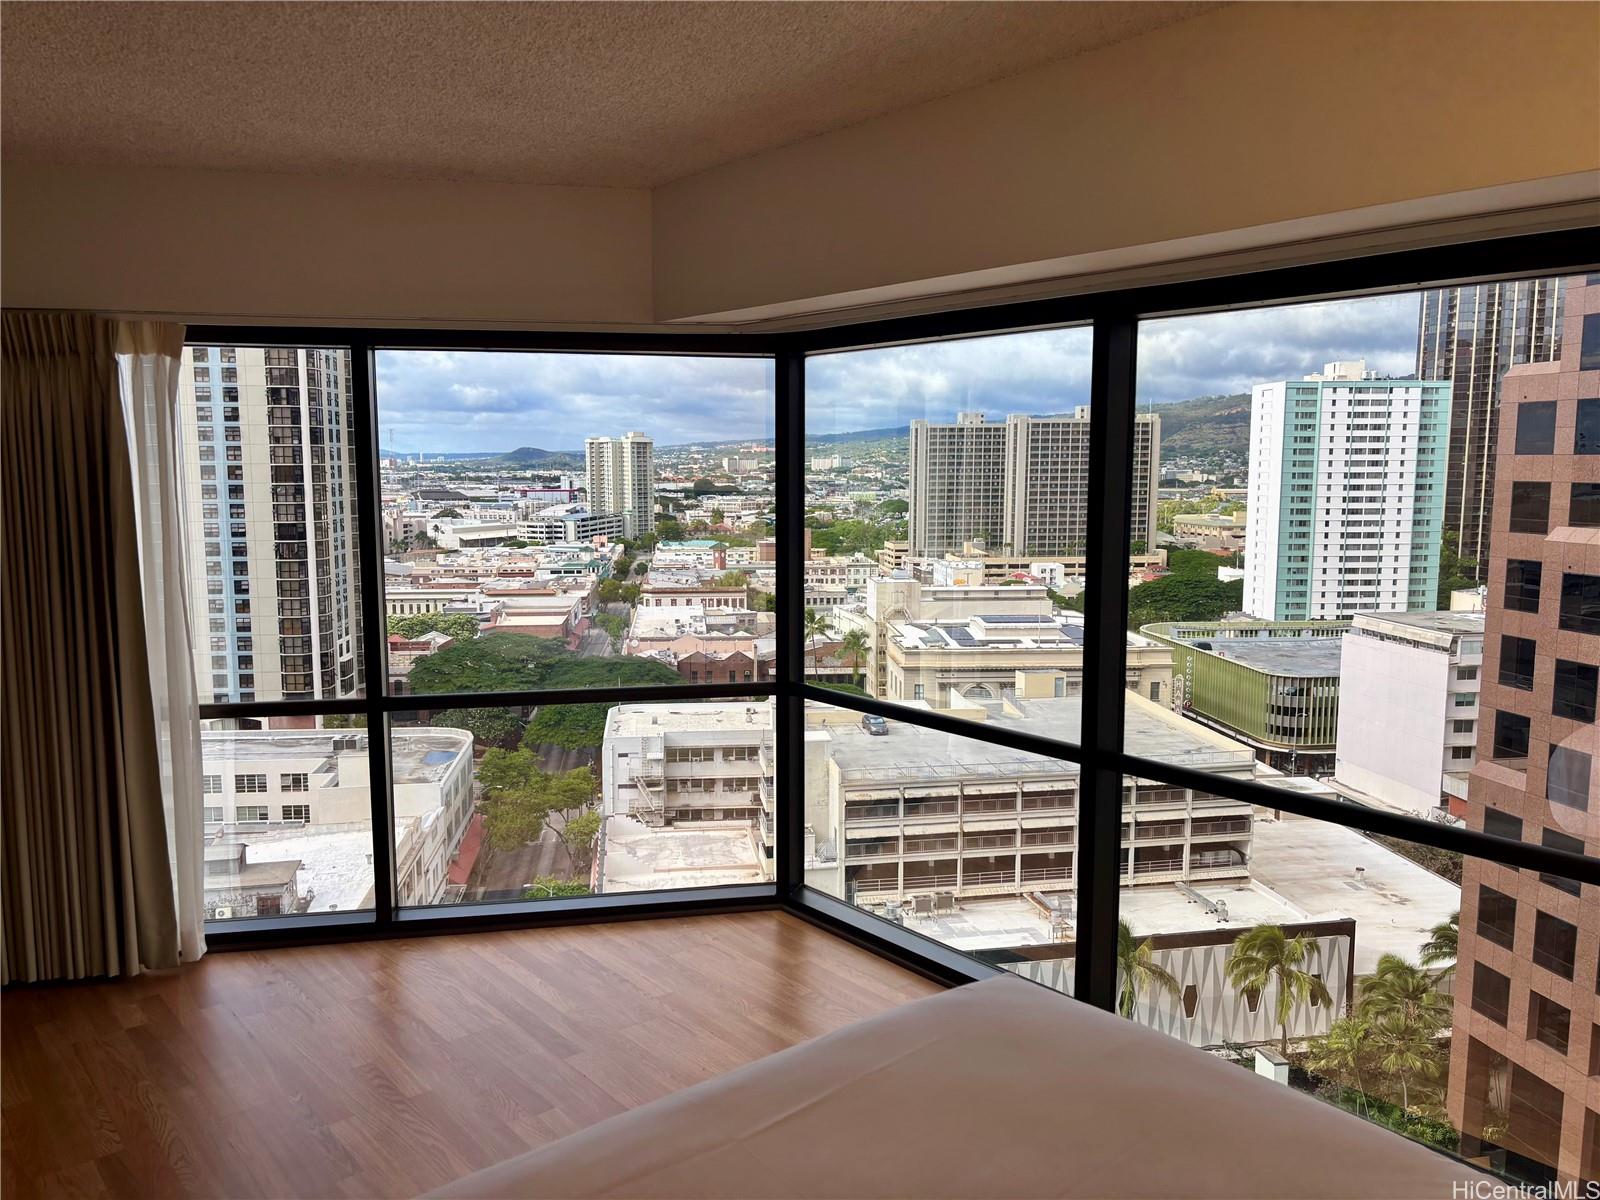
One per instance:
(1456, 623)
(335, 865)
(913, 752)
(1302, 870)
(641, 859)
(418, 755)
(1313, 657)
(1312, 865)
(689, 716)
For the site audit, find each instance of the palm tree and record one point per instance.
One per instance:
(853, 648)
(1264, 955)
(1137, 971)
(1340, 1053)
(1440, 948)
(816, 626)
(1406, 1051)
(1401, 991)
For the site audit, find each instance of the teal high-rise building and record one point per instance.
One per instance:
(1347, 486)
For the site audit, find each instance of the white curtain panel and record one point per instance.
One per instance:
(149, 354)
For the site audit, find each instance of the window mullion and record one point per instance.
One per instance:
(1111, 407)
(363, 404)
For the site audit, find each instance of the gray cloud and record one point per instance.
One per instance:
(457, 401)
(465, 400)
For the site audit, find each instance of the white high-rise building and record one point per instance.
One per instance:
(1408, 708)
(1021, 486)
(1346, 494)
(271, 487)
(621, 478)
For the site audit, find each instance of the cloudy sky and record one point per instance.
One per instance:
(468, 401)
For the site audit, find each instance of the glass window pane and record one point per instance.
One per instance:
(1378, 975)
(1536, 428)
(288, 816)
(290, 550)
(966, 842)
(1530, 507)
(575, 520)
(531, 803)
(947, 514)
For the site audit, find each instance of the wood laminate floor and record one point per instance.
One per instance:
(388, 1068)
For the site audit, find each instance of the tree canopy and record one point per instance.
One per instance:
(518, 796)
(516, 662)
(455, 625)
(1191, 592)
(488, 726)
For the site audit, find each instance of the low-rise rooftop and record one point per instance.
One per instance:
(689, 716)
(638, 858)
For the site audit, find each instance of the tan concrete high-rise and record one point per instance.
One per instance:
(1022, 487)
(621, 478)
(1524, 1083)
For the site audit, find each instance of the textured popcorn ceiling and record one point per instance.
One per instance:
(620, 94)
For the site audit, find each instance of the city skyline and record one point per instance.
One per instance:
(483, 402)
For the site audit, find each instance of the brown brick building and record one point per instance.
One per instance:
(1525, 1056)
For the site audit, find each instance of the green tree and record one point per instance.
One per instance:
(718, 516)
(548, 887)
(1137, 971)
(1263, 956)
(496, 662)
(730, 579)
(1440, 948)
(669, 529)
(488, 726)
(1455, 572)
(1342, 1054)
(579, 834)
(516, 816)
(816, 626)
(570, 726)
(1407, 1051)
(460, 626)
(344, 721)
(763, 601)
(853, 649)
(614, 625)
(502, 771)
(1401, 991)
(641, 568)
(447, 514)
(897, 508)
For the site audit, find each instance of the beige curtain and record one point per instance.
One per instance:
(84, 870)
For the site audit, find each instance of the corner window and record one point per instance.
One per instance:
(1583, 508)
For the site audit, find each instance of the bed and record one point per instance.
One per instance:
(995, 1089)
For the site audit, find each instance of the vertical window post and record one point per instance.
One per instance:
(363, 404)
(1111, 415)
(789, 433)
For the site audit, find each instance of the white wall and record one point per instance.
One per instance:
(1394, 706)
(223, 245)
(1257, 124)
(1265, 117)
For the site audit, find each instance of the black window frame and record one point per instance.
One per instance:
(1113, 317)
